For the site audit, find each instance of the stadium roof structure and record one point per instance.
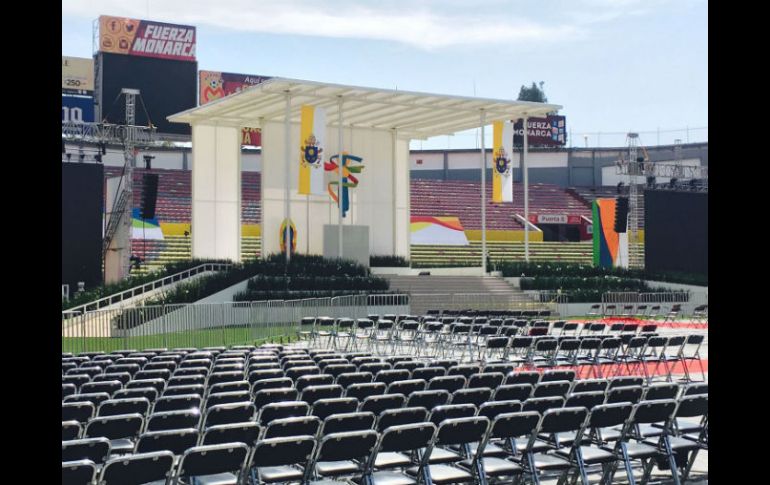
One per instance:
(414, 115)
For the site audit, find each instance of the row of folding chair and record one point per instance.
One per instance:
(279, 403)
(628, 310)
(450, 444)
(487, 343)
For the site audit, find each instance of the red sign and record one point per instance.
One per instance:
(216, 85)
(554, 219)
(146, 38)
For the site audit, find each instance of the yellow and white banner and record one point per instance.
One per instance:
(311, 158)
(502, 171)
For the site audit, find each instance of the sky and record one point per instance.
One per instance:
(614, 65)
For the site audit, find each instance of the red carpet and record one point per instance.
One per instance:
(607, 370)
(639, 321)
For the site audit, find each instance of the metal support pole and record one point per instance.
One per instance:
(525, 169)
(482, 121)
(393, 162)
(287, 149)
(339, 176)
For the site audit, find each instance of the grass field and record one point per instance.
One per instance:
(196, 338)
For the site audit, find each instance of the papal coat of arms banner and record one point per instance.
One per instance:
(502, 152)
(312, 137)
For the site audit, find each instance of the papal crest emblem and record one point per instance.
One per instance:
(502, 163)
(311, 152)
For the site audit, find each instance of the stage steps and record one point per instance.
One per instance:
(461, 292)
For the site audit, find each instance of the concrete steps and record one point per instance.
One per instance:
(460, 292)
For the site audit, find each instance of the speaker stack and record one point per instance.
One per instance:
(621, 214)
(149, 195)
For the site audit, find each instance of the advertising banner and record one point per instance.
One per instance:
(77, 75)
(215, 85)
(548, 131)
(146, 38)
(77, 108)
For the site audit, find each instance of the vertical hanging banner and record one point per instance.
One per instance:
(502, 149)
(312, 137)
(349, 180)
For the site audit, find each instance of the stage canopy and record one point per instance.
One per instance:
(415, 115)
(376, 126)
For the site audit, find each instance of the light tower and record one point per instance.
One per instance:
(635, 169)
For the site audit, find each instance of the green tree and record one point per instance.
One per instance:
(533, 93)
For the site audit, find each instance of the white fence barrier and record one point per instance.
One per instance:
(211, 324)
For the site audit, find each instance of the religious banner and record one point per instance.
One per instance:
(349, 180)
(311, 158)
(288, 231)
(502, 172)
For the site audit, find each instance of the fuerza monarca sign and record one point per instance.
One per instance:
(146, 38)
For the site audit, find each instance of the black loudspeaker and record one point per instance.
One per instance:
(621, 214)
(149, 195)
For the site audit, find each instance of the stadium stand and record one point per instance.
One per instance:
(428, 198)
(461, 198)
(174, 189)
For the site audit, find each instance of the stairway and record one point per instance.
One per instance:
(461, 292)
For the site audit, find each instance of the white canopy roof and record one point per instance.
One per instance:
(414, 115)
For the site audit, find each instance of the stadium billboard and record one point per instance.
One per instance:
(215, 85)
(77, 75)
(77, 108)
(166, 86)
(548, 131)
(146, 38)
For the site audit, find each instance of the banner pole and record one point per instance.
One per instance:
(307, 224)
(482, 122)
(340, 165)
(525, 167)
(393, 190)
(287, 204)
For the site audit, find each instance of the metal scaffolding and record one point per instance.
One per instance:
(131, 137)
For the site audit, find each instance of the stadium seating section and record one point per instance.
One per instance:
(428, 198)
(174, 194)
(461, 199)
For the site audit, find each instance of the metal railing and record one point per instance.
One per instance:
(211, 324)
(687, 300)
(421, 302)
(634, 297)
(146, 287)
(106, 132)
